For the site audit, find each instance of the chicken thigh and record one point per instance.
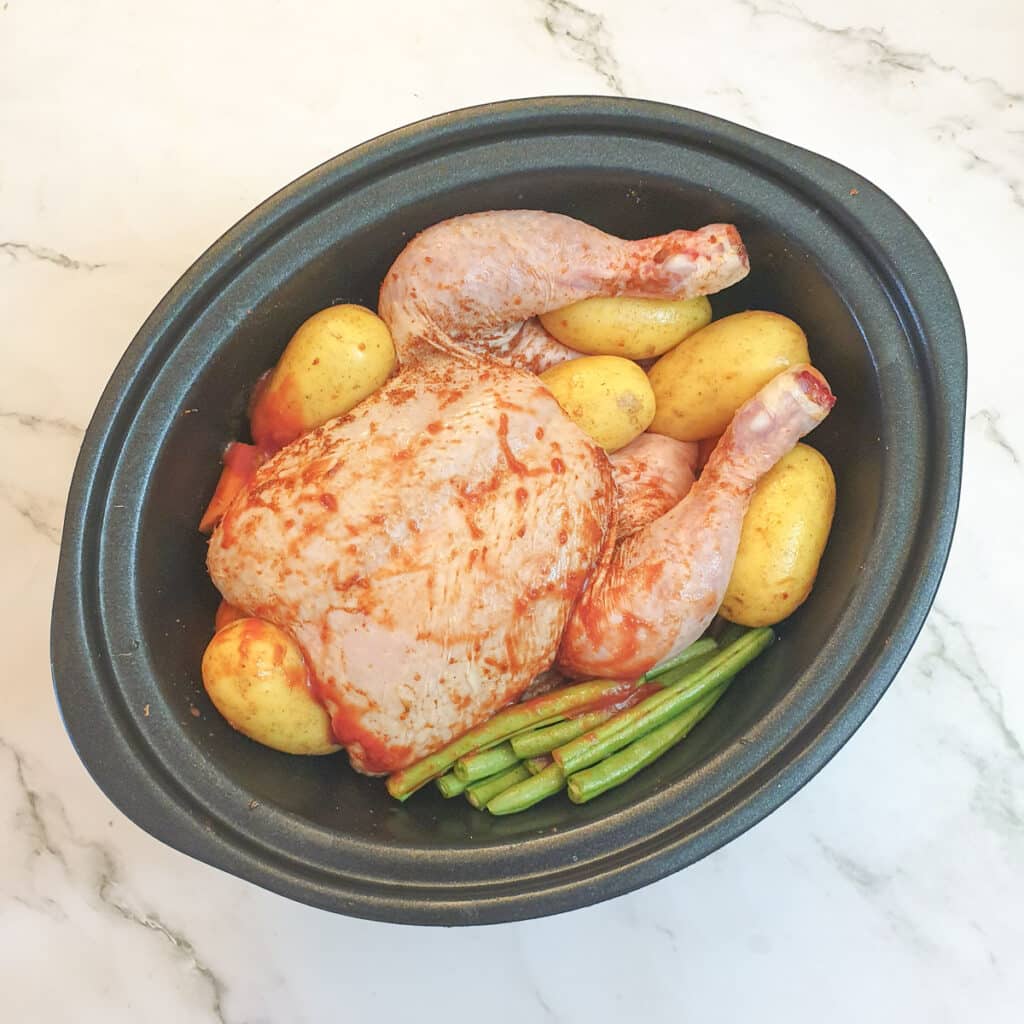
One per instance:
(427, 550)
(661, 587)
(653, 473)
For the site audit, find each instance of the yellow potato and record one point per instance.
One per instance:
(607, 396)
(700, 384)
(784, 535)
(634, 328)
(256, 677)
(337, 358)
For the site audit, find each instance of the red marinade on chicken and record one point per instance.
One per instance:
(456, 534)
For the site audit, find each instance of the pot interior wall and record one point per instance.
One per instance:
(341, 255)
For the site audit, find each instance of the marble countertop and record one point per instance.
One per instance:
(132, 135)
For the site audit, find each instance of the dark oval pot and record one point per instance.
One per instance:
(133, 606)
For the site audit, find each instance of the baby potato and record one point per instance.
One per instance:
(608, 397)
(256, 677)
(700, 384)
(634, 328)
(338, 357)
(783, 538)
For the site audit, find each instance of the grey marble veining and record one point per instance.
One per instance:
(22, 250)
(583, 34)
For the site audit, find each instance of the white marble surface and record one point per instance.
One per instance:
(131, 135)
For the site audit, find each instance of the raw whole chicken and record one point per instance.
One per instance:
(652, 474)
(456, 534)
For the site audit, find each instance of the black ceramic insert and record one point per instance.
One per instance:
(133, 607)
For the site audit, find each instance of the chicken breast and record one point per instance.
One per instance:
(425, 552)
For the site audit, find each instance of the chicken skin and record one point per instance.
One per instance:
(443, 544)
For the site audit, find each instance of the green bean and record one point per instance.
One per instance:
(449, 785)
(547, 709)
(543, 741)
(630, 725)
(544, 710)
(535, 765)
(671, 677)
(525, 794)
(482, 764)
(619, 767)
(698, 649)
(479, 793)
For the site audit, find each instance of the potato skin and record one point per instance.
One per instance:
(256, 677)
(784, 536)
(700, 384)
(634, 328)
(607, 396)
(338, 357)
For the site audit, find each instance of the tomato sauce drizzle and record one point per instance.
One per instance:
(622, 697)
(275, 423)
